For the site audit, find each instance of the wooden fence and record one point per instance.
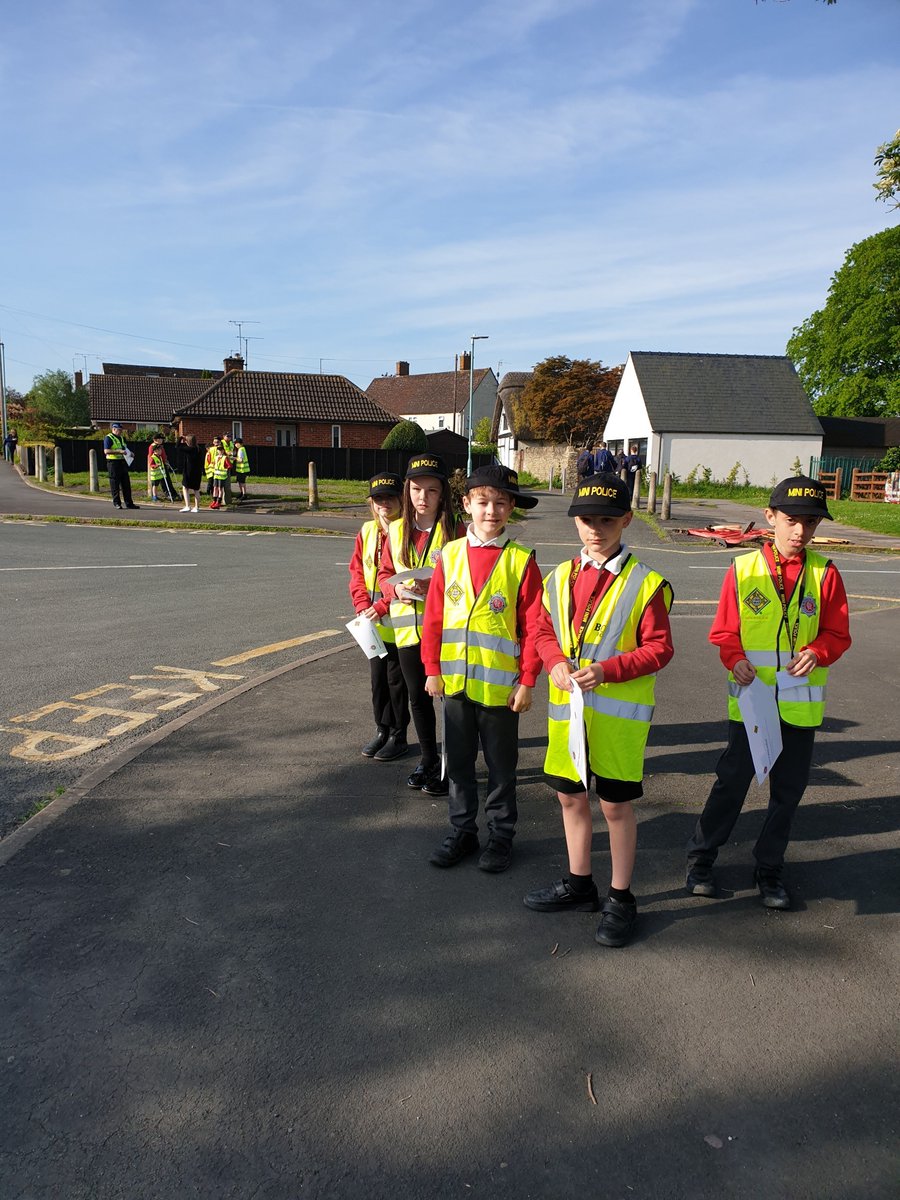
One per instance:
(868, 485)
(832, 481)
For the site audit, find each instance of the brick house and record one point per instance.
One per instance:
(142, 397)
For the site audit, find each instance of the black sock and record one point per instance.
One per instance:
(580, 883)
(623, 895)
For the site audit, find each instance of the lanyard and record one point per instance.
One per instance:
(379, 542)
(785, 603)
(578, 643)
(423, 557)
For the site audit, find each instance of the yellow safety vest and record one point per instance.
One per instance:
(208, 462)
(370, 555)
(766, 640)
(242, 462)
(479, 642)
(117, 447)
(220, 471)
(406, 618)
(155, 465)
(617, 715)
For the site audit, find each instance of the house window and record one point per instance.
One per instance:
(285, 435)
(440, 422)
(335, 437)
(237, 430)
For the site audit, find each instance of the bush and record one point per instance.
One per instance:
(891, 460)
(406, 435)
(527, 480)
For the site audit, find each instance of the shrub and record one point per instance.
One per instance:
(406, 435)
(731, 477)
(797, 467)
(707, 474)
(691, 477)
(891, 460)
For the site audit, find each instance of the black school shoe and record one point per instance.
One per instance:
(774, 893)
(395, 747)
(370, 749)
(454, 848)
(617, 922)
(700, 880)
(559, 896)
(417, 778)
(496, 858)
(434, 785)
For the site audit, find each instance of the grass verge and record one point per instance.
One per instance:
(861, 514)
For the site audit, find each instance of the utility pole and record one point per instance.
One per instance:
(3, 391)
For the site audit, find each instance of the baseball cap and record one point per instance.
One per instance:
(602, 495)
(115, 425)
(801, 497)
(426, 464)
(385, 484)
(505, 480)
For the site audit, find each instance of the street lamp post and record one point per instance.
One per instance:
(476, 337)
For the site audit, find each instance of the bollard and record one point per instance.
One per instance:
(93, 480)
(651, 493)
(636, 492)
(57, 466)
(667, 497)
(40, 464)
(313, 487)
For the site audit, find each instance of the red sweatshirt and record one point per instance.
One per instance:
(481, 563)
(654, 634)
(833, 638)
(359, 593)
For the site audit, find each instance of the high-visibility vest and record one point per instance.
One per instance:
(479, 642)
(116, 447)
(155, 460)
(242, 462)
(220, 471)
(406, 618)
(617, 715)
(371, 553)
(209, 461)
(767, 641)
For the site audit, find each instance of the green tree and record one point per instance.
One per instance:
(847, 354)
(482, 431)
(567, 400)
(887, 160)
(54, 403)
(406, 435)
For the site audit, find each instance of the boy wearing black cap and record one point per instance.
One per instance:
(603, 628)
(478, 651)
(390, 700)
(782, 616)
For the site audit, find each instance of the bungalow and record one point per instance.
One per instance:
(144, 397)
(439, 400)
(690, 412)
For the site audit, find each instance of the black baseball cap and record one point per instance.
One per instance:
(801, 497)
(602, 495)
(426, 464)
(504, 480)
(385, 484)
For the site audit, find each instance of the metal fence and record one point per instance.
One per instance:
(844, 464)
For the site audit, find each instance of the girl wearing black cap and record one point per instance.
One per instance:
(426, 523)
(389, 696)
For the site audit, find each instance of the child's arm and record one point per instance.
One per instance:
(833, 637)
(654, 650)
(359, 593)
(726, 633)
(432, 625)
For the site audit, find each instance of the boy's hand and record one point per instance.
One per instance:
(802, 663)
(588, 678)
(519, 699)
(434, 685)
(560, 675)
(744, 672)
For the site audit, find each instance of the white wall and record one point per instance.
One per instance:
(761, 456)
(482, 406)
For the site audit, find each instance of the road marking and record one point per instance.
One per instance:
(101, 567)
(884, 599)
(275, 647)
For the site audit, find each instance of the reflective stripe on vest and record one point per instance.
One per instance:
(479, 647)
(370, 531)
(406, 618)
(766, 641)
(617, 715)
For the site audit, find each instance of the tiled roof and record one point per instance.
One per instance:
(141, 399)
(724, 393)
(279, 396)
(159, 372)
(440, 392)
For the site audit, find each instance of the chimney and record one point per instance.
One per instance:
(79, 379)
(402, 368)
(234, 363)
(465, 360)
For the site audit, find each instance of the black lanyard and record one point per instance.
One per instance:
(423, 557)
(592, 603)
(379, 542)
(785, 603)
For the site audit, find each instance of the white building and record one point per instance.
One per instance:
(688, 412)
(439, 400)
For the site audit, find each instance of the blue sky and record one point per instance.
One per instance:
(377, 181)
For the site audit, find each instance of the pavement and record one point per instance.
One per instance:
(227, 969)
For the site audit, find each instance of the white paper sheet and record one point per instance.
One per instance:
(759, 711)
(786, 681)
(128, 455)
(368, 637)
(577, 745)
(443, 739)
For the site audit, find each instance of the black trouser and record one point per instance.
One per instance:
(734, 770)
(420, 703)
(390, 699)
(465, 724)
(119, 481)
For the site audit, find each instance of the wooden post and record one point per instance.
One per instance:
(651, 493)
(40, 464)
(93, 480)
(666, 510)
(636, 491)
(838, 479)
(57, 466)
(313, 487)
(853, 483)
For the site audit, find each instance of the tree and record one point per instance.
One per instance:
(406, 435)
(847, 354)
(481, 434)
(568, 400)
(54, 403)
(887, 160)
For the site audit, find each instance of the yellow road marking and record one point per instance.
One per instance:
(275, 647)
